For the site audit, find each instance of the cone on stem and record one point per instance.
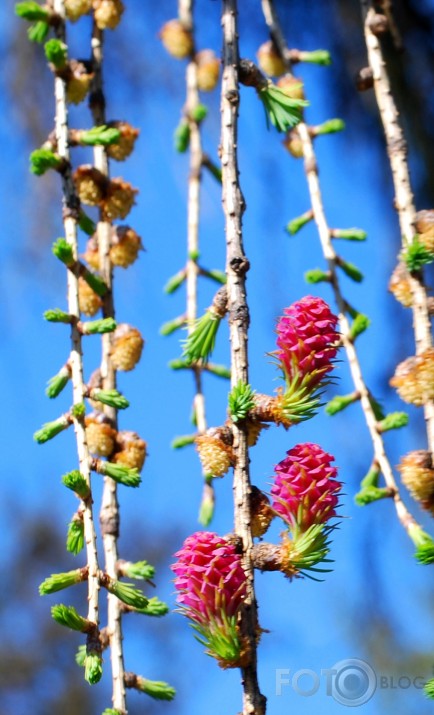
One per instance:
(211, 587)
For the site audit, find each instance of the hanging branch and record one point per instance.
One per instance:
(202, 73)
(109, 516)
(185, 12)
(404, 203)
(348, 335)
(237, 266)
(71, 210)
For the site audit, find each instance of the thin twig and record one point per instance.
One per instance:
(404, 204)
(185, 14)
(237, 265)
(185, 11)
(109, 516)
(324, 231)
(70, 214)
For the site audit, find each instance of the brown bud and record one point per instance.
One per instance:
(88, 301)
(100, 434)
(131, 450)
(262, 513)
(90, 184)
(427, 240)
(417, 474)
(364, 79)
(125, 144)
(254, 429)
(269, 409)
(291, 86)
(414, 378)
(378, 24)
(177, 39)
(208, 70)
(125, 246)
(400, 285)
(215, 451)
(108, 13)
(127, 346)
(294, 144)
(91, 256)
(424, 221)
(95, 382)
(270, 60)
(118, 200)
(78, 81)
(74, 9)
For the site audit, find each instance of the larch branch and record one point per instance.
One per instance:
(237, 265)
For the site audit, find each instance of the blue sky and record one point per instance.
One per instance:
(312, 625)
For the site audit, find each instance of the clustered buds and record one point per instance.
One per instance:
(119, 456)
(211, 587)
(115, 197)
(414, 378)
(417, 473)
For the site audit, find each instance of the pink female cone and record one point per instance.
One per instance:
(308, 341)
(307, 338)
(305, 489)
(212, 587)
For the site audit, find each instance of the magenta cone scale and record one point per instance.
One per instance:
(305, 491)
(307, 340)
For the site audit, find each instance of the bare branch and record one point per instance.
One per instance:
(237, 266)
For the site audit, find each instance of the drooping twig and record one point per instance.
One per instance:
(185, 13)
(325, 233)
(70, 214)
(404, 203)
(237, 266)
(109, 516)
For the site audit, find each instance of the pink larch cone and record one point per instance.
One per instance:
(211, 587)
(307, 340)
(305, 491)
